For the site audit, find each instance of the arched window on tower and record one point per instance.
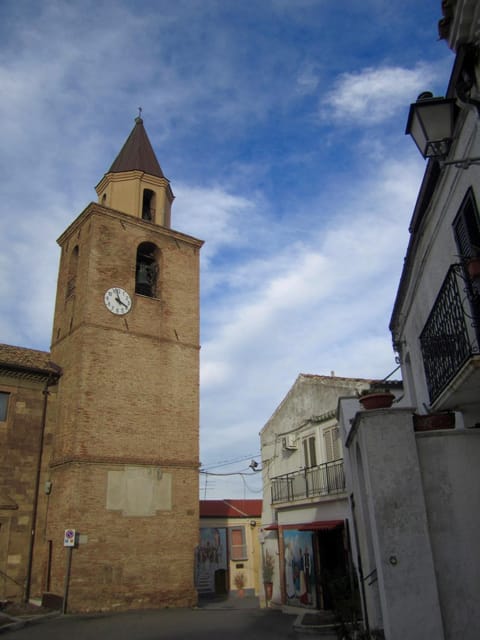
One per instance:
(148, 205)
(146, 271)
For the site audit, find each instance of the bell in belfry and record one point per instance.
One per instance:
(144, 276)
(145, 279)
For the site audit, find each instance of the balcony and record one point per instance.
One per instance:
(323, 480)
(450, 342)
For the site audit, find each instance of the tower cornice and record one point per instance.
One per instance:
(94, 208)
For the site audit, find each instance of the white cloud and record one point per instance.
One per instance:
(212, 213)
(320, 306)
(373, 95)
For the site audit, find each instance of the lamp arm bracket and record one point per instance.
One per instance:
(461, 164)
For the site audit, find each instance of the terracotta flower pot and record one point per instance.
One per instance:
(381, 400)
(473, 268)
(268, 590)
(432, 421)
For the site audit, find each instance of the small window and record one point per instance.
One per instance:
(146, 270)
(3, 406)
(238, 546)
(148, 205)
(310, 452)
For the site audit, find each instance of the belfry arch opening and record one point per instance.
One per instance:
(148, 205)
(146, 271)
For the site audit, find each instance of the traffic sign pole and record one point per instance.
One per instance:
(67, 579)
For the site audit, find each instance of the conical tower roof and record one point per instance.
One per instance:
(137, 153)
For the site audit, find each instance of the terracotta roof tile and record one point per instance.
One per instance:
(20, 357)
(230, 508)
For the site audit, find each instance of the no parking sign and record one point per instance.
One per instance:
(69, 538)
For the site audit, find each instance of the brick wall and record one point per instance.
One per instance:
(128, 399)
(19, 454)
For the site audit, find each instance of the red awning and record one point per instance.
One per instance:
(271, 527)
(320, 525)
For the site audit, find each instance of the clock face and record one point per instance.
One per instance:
(118, 301)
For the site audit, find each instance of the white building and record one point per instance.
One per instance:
(305, 504)
(416, 492)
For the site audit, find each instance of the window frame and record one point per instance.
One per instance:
(149, 198)
(149, 263)
(238, 552)
(309, 445)
(332, 443)
(4, 412)
(466, 227)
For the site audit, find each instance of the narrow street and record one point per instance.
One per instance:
(205, 623)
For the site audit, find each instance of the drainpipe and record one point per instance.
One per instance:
(360, 569)
(52, 379)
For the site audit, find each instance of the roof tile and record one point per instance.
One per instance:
(230, 508)
(26, 358)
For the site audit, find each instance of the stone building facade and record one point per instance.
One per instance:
(28, 380)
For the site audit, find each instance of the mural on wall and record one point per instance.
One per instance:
(299, 568)
(211, 555)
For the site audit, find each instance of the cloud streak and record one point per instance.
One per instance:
(374, 95)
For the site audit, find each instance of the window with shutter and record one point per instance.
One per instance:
(331, 439)
(310, 451)
(238, 546)
(466, 227)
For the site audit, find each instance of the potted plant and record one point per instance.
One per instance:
(240, 584)
(267, 569)
(473, 267)
(376, 397)
(471, 263)
(432, 421)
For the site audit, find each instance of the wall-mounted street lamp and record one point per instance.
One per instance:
(431, 124)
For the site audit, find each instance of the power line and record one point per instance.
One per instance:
(242, 472)
(224, 463)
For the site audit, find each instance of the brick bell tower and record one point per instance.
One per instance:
(124, 457)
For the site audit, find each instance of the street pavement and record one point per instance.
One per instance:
(212, 620)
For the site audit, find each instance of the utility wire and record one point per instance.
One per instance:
(224, 463)
(243, 472)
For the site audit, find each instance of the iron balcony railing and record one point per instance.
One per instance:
(451, 334)
(311, 482)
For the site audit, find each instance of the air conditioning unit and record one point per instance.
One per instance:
(289, 442)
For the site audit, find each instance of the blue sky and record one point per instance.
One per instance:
(280, 124)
